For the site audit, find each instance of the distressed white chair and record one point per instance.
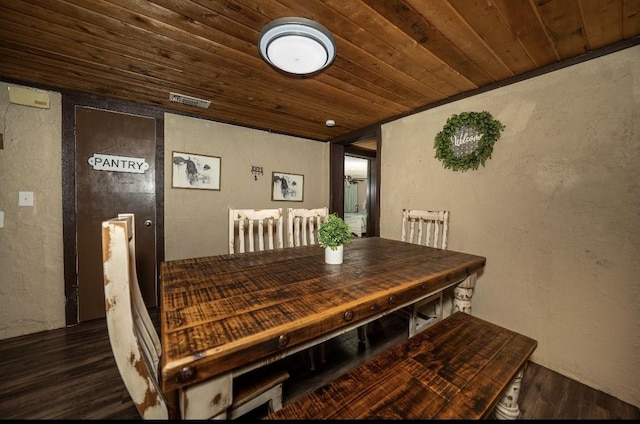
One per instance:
(302, 230)
(427, 228)
(248, 229)
(303, 224)
(137, 350)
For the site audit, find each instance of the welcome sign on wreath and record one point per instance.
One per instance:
(467, 140)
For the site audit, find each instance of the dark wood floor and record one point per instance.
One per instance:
(70, 374)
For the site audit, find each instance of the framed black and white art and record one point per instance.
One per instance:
(288, 187)
(195, 171)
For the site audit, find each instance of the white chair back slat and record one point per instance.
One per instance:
(131, 336)
(303, 225)
(432, 227)
(250, 227)
(241, 236)
(143, 324)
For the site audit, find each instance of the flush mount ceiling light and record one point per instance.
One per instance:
(297, 45)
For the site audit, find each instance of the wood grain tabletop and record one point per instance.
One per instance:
(221, 312)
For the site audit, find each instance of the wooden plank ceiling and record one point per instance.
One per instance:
(394, 57)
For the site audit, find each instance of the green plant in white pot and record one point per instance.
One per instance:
(333, 234)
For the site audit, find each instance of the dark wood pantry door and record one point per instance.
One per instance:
(115, 173)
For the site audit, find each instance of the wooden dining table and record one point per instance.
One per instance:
(222, 316)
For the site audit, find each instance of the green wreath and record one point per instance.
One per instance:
(484, 124)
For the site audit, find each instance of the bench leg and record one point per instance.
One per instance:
(507, 408)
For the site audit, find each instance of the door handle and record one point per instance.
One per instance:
(147, 223)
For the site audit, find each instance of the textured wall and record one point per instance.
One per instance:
(196, 221)
(31, 249)
(31, 268)
(556, 211)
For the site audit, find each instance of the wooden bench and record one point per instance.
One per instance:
(460, 368)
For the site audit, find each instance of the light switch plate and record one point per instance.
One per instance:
(25, 198)
(1, 219)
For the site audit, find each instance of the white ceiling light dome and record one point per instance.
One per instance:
(297, 45)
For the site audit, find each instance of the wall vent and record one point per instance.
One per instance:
(188, 100)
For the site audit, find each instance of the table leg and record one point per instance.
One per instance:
(462, 295)
(208, 399)
(362, 333)
(507, 408)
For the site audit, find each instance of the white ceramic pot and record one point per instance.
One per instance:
(333, 257)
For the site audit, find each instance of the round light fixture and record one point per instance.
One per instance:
(297, 45)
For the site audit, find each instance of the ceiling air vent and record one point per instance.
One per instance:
(188, 100)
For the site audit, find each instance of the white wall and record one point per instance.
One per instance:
(556, 212)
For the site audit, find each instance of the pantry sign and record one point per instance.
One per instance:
(114, 163)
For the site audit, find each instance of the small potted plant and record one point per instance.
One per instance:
(333, 234)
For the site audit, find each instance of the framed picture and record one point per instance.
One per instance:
(288, 187)
(195, 171)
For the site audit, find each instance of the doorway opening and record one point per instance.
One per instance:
(359, 151)
(356, 194)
